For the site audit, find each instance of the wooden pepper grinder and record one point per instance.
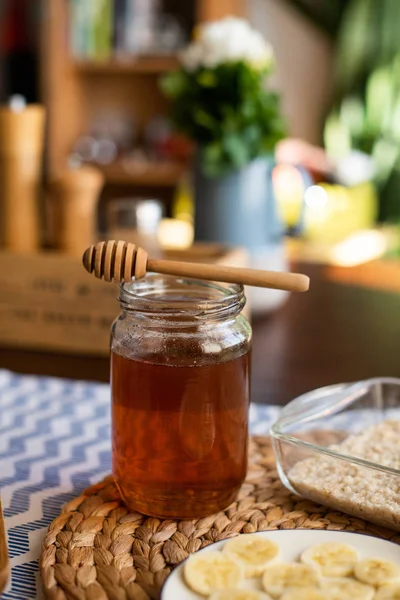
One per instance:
(75, 195)
(21, 152)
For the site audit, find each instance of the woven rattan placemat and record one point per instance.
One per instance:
(96, 550)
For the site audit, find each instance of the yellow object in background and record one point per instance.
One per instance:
(183, 205)
(289, 191)
(333, 212)
(359, 248)
(178, 232)
(175, 234)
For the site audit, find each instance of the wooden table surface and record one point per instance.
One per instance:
(335, 332)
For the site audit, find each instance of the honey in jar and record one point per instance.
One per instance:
(180, 373)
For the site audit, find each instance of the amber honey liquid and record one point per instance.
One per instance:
(179, 435)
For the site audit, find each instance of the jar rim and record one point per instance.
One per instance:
(168, 295)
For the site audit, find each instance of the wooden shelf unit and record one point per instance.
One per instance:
(144, 65)
(157, 174)
(74, 91)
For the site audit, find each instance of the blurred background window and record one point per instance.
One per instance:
(365, 106)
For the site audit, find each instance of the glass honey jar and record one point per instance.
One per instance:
(180, 376)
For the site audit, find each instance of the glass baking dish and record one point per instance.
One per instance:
(340, 446)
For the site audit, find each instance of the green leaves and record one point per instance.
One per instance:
(174, 85)
(207, 78)
(227, 111)
(235, 149)
(366, 111)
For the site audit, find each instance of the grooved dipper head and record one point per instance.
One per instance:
(115, 261)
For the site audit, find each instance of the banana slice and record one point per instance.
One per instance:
(207, 572)
(241, 595)
(331, 558)
(390, 591)
(376, 571)
(341, 587)
(280, 578)
(307, 593)
(253, 552)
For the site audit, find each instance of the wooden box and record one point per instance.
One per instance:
(49, 302)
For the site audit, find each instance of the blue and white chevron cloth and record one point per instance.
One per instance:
(54, 442)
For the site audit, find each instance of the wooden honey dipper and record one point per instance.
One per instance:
(120, 261)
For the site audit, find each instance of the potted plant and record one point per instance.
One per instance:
(221, 101)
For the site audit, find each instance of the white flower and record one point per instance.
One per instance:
(228, 40)
(192, 56)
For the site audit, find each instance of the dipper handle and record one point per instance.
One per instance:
(120, 261)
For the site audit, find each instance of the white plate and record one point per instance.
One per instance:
(292, 544)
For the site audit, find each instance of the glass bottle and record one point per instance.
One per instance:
(180, 376)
